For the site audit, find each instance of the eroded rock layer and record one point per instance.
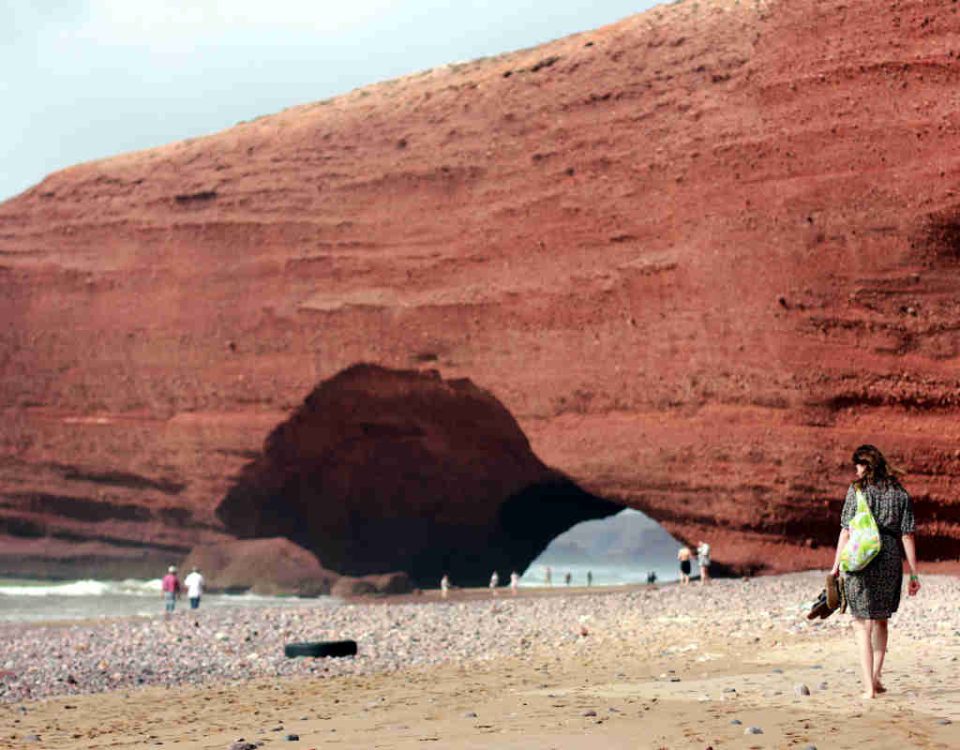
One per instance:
(266, 566)
(699, 255)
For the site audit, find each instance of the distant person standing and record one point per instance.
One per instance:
(589, 578)
(703, 560)
(548, 576)
(494, 582)
(170, 589)
(444, 586)
(514, 582)
(684, 556)
(194, 584)
(568, 578)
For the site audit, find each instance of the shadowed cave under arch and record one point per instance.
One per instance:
(383, 470)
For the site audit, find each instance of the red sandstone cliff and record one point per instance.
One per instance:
(699, 255)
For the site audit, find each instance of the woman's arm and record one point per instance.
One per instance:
(841, 543)
(910, 548)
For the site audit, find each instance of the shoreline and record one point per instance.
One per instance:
(674, 665)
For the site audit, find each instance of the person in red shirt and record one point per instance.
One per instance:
(170, 589)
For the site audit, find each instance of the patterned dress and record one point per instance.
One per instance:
(874, 592)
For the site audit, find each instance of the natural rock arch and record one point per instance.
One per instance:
(385, 469)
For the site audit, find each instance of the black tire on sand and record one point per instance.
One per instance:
(320, 648)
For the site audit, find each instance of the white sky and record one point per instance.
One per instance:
(84, 79)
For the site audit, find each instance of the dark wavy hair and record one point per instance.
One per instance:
(879, 471)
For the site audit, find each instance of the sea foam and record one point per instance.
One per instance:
(88, 587)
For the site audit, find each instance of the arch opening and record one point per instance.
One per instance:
(623, 548)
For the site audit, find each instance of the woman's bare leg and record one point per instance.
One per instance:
(863, 632)
(879, 643)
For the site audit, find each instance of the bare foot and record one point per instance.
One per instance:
(870, 695)
(879, 688)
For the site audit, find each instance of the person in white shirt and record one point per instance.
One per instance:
(703, 560)
(194, 585)
(444, 586)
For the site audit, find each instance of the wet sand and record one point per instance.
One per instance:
(670, 667)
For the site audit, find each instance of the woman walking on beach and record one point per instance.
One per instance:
(873, 593)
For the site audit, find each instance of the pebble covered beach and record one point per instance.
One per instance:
(651, 641)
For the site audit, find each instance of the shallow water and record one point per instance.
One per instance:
(603, 575)
(617, 550)
(35, 601)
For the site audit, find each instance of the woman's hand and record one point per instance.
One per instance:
(913, 586)
(841, 543)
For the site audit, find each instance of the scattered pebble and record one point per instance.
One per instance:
(736, 722)
(801, 689)
(753, 730)
(589, 712)
(44, 660)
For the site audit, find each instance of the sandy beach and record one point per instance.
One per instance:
(733, 664)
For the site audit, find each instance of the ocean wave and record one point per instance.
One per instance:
(88, 588)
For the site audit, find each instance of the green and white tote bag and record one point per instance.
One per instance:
(864, 542)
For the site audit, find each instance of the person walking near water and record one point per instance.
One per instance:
(514, 582)
(170, 589)
(684, 555)
(703, 560)
(494, 582)
(444, 586)
(194, 585)
(873, 593)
